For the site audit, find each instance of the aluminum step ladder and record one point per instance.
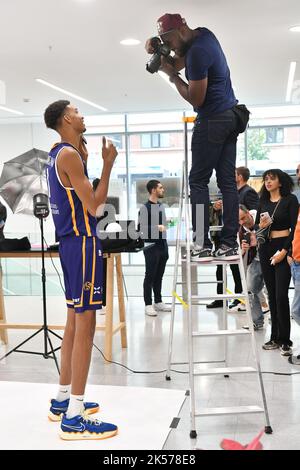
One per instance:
(224, 333)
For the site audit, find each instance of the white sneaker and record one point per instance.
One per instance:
(149, 310)
(162, 307)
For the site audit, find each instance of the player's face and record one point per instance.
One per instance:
(75, 119)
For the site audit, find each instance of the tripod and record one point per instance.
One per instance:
(48, 352)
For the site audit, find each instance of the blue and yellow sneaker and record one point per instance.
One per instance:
(83, 428)
(58, 408)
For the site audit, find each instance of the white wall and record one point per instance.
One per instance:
(16, 139)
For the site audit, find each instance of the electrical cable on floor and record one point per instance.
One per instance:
(154, 371)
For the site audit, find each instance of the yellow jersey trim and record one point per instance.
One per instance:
(70, 197)
(87, 223)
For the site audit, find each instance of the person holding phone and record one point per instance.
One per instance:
(74, 205)
(278, 210)
(254, 277)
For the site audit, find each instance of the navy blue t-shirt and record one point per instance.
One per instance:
(206, 59)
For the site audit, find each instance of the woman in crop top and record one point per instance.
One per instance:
(279, 203)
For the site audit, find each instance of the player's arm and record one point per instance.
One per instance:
(71, 168)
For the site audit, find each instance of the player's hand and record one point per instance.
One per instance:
(109, 151)
(162, 228)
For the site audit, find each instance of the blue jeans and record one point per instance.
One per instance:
(214, 147)
(255, 284)
(295, 268)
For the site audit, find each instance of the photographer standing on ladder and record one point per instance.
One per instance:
(218, 123)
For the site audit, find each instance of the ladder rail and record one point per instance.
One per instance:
(253, 341)
(175, 278)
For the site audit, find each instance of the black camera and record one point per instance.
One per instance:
(160, 49)
(247, 237)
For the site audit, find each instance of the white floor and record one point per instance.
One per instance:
(147, 351)
(143, 416)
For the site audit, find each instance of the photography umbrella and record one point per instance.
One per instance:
(23, 187)
(22, 178)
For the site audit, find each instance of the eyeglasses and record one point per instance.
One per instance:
(297, 171)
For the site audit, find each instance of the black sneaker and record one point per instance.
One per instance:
(227, 253)
(294, 360)
(215, 304)
(201, 254)
(270, 345)
(285, 350)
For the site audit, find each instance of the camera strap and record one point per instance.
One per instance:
(272, 216)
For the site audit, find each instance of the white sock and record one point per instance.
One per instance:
(63, 392)
(75, 406)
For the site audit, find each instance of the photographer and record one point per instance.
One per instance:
(153, 227)
(255, 282)
(277, 217)
(219, 121)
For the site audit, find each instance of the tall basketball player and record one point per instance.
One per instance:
(74, 205)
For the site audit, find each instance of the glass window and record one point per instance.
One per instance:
(274, 135)
(117, 185)
(262, 155)
(146, 141)
(155, 141)
(117, 140)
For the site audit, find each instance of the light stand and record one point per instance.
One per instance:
(41, 211)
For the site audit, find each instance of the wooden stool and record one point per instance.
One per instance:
(110, 328)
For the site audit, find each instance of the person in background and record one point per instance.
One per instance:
(297, 190)
(153, 226)
(294, 262)
(254, 277)
(3, 217)
(249, 198)
(247, 195)
(278, 211)
(216, 219)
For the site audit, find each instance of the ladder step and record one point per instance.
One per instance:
(221, 333)
(229, 410)
(225, 371)
(219, 297)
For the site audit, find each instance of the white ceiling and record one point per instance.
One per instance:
(87, 58)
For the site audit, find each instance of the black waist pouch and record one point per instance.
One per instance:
(15, 244)
(243, 114)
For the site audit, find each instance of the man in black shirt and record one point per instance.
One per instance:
(152, 225)
(247, 195)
